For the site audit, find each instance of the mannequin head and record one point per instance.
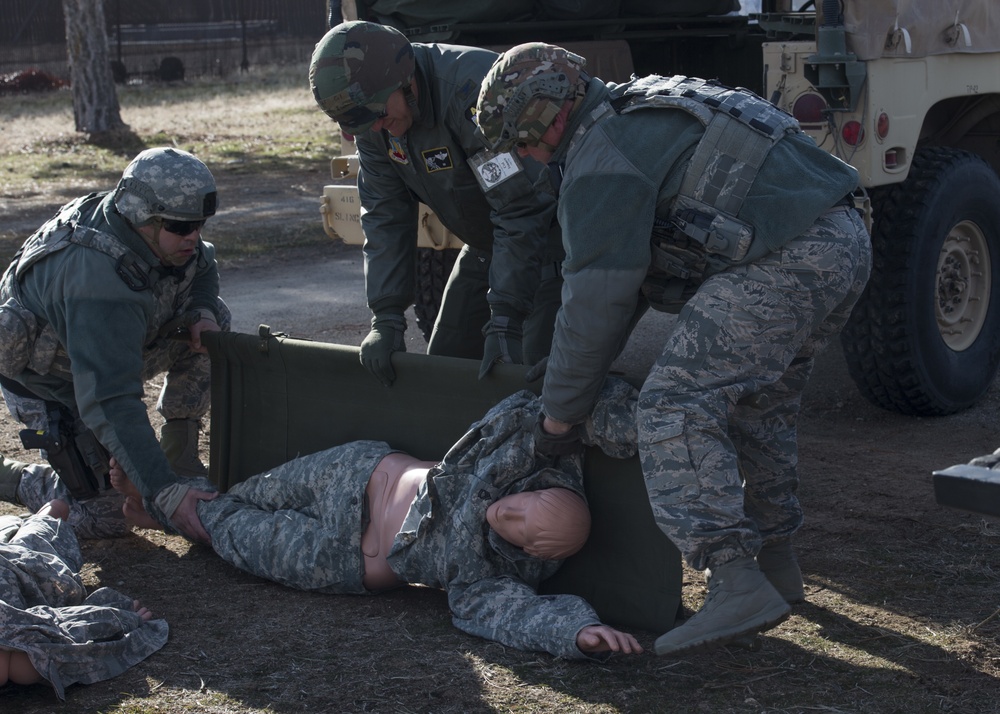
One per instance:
(551, 523)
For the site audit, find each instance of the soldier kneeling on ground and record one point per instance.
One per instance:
(116, 288)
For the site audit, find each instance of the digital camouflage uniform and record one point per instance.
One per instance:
(717, 413)
(34, 485)
(103, 303)
(513, 244)
(70, 637)
(300, 524)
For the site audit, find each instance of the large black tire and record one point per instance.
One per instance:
(925, 337)
(433, 268)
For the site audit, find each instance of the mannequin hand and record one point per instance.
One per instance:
(601, 638)
(385, 338)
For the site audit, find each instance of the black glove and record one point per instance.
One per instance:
(566, 444)
(537, 370)
(385, 338)
(503, 335)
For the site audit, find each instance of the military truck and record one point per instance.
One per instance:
(909, 94)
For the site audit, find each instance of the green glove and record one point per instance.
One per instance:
(503, 335)
(385, 338)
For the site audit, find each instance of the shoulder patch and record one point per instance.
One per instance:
(492, 169)
(396, 151)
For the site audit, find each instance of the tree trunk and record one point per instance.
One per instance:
(95, 102)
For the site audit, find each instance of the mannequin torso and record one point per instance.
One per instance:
(391, 489)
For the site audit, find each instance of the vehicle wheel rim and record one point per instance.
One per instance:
(963, 285)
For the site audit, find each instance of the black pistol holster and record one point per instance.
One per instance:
(73, 451)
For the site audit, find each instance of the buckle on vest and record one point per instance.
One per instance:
(131, 273)
(719, 234)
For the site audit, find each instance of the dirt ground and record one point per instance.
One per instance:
(902, 611)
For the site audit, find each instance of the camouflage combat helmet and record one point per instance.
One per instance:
(524, 91)
(354, 69)
(166, 183)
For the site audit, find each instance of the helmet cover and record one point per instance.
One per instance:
(354, 69)
(166, 183)
(524, 91)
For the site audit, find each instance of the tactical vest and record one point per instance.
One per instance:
(28, 341)
(701, 232)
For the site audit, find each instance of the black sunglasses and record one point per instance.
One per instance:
(182, 228)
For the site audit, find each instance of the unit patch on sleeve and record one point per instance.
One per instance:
(493, 169)
(396, 151)
(437, 159)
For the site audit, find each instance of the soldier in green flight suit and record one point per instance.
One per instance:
(409, 107)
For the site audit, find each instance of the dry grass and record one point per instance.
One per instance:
(263, 124)
(902, 594)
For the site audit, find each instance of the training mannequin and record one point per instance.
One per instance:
(52, 630)
(487, 524)
(391, 489)
(551, 524)
(15, 666)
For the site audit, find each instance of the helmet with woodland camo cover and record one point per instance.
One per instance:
(354, 69)
(166, 183)
(524, 91)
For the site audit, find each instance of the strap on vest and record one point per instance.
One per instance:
(740, 131)
(133, 270)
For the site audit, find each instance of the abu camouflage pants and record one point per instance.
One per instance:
(717, 414)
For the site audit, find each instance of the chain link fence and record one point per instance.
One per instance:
(167, 39)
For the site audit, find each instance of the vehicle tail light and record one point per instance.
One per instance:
(852, 133)
(808, 108)
(895, 158)
(882, 125)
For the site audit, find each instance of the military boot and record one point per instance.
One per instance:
(740, 603)
(777, 561)
(179, 441)
(10, 479)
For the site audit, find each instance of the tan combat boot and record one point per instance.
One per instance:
(740, 603)
(778, 562)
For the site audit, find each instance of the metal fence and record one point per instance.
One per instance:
(167, 39)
